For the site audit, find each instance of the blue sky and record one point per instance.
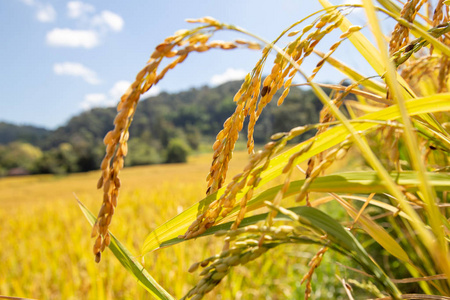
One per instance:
(59, 58)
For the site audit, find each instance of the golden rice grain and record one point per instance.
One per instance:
(293, 33)
(283, 96)
(313, 264)
(400, 35)
(116, 140)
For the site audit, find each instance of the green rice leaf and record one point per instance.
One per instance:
(130, 263)
(361, 43)
(226, 226)
(350, 182)
(338, 134)
(342, 237)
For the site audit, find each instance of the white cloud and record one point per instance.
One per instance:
(104, 100)
(64, 37)
(105, 20)
(28, 2)
(45, 13)
(112, 97)
(228, 75)
(78, 9)
(119, 89)
(154, 91)
(93, 100)
(108, 20)
(95, 26)
(77, 70)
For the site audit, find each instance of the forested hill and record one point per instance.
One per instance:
(31, 134)
(164, 128)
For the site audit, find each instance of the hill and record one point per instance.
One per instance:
(25, 133)
(164, 126)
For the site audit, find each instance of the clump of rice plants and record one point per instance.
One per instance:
(395, 222)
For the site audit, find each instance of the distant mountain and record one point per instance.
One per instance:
(25, 133)
(189, 118)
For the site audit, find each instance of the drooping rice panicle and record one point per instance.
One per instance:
(177, 47)
(251, 99)
(245, 249)
(400, 35)
(313, 264)
(325, 118)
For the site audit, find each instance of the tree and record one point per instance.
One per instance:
(19, 155)
(177, 151)
(141, 153)
(60, 160)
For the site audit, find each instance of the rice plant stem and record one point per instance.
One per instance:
(361, 143)
(426, 35)
(364, 147)
(429, 36)
(441, 257)
(366, 203)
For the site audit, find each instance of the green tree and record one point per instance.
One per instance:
(177, 151)
(19, 155)
(142, 153)
(60, 160)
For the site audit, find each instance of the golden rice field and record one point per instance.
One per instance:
(46, 248)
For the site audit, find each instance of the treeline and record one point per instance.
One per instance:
(164, 130)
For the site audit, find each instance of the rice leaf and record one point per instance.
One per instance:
(338, 134)
(226, 226)
(369, 51)
(371, 85)
(340, 236)
(427, 194)
(361, 43)
(377, 203)
(129, 262)
(377, 232)
(350, 182)
(178, 225)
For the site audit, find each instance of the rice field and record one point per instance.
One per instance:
(47, 249)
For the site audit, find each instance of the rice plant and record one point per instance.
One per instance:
(395, 229)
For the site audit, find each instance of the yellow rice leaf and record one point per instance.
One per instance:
(377, 232)
(371, 85)
(349, 182)
(178, 225)
(368, 51)
(361, 43)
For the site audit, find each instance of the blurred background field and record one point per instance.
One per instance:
(46, 251)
